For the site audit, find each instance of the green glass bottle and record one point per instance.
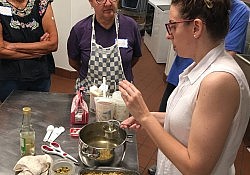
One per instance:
(27, 134)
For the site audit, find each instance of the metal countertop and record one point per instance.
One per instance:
(47, 108)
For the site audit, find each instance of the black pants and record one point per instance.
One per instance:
(169, 89)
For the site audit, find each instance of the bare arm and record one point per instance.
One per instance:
(209, 128)
(160, 116)
(44, 46)
(210, 124)
(131, 122)
(11, 54)
(47, 44)
(232, 53)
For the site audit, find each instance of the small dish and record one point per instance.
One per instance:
(62, 167)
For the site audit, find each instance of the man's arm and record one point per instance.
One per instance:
(76, 64)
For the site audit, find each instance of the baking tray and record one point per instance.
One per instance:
(107, 170)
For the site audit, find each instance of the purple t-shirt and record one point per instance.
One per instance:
(79, 46)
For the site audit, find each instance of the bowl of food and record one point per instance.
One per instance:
(62, 167)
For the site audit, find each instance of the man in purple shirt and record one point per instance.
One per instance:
(105, 44)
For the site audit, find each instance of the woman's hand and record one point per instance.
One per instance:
(134, 101)
(130, 123)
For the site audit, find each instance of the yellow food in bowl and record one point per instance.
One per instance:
(64, 170)
(105, 154)
(62, 167)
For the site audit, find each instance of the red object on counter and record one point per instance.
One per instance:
(74, 132)
(79, 109)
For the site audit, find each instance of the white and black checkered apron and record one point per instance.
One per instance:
(104, 62)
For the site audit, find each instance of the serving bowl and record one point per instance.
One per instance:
(62, 167)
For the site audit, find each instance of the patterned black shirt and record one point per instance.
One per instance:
(25, 25)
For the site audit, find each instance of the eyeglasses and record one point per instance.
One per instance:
(170, 24)
(104, 1)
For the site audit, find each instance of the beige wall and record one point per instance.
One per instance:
(67, 13)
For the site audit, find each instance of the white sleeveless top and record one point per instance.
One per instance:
(181, 104)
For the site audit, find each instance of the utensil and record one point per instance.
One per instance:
(50, 128)
(56, 149)
(104, 87)
(56, 132)
(111, 129)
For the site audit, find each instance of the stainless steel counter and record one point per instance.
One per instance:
(47, 108)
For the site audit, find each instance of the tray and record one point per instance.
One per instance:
(107, 171)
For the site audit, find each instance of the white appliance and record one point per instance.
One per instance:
(155, 35)
(171, 56)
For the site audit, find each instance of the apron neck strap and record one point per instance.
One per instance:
(116, 27)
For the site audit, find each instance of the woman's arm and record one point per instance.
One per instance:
(131, 122)
(12, 54)
(48, 42)
(216, 106)
(160, 116)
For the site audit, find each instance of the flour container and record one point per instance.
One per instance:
(121, 111)
(104, 108)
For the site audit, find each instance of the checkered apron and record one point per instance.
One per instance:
(104, 62)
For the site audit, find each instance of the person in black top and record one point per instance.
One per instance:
(28, 36)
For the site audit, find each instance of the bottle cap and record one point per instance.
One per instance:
(26, 109)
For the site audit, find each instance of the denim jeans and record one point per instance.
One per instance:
(7, 86)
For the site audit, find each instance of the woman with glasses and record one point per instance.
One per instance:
(105, 44)
(234, 43)
(208, 112)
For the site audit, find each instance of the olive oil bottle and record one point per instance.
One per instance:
(27, 134)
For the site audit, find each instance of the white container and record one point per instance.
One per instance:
(121, 111)
(93, 92)
(104, 108)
